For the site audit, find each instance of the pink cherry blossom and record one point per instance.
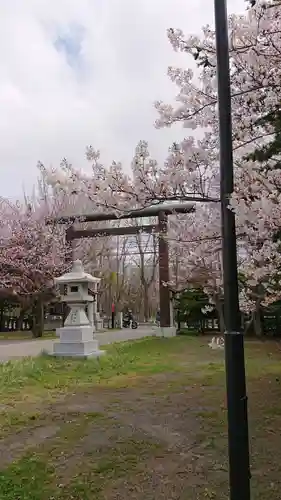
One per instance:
(191, 170)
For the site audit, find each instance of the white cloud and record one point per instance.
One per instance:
(76, 72)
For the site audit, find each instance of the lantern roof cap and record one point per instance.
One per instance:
(76, 275)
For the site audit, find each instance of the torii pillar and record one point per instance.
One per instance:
(167, 328)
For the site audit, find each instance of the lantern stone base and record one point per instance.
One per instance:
(77, 342)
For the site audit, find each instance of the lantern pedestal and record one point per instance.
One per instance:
(77, 342)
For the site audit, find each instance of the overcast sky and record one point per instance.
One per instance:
(80, 72)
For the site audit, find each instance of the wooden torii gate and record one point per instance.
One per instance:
(161, 211)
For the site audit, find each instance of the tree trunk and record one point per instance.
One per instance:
(248, 326)
(201, 327)
(38, 319)
(178, 321)
(258, 326)
(219, 308)
(145, 303)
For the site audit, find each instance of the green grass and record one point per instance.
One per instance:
(25, 335)
(150, 391)
(34, 478)
(44, 374)
(189, 332)
(28, 479)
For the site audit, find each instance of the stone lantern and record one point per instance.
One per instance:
(76, 336)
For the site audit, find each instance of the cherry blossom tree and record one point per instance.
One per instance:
(255, 77)
(255, 83)
(31, 255)
(191, 171)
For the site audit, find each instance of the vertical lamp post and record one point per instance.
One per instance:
(238, 440)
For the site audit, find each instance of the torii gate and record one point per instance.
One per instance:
(161, 211)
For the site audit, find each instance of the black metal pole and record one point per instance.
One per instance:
(238, 440)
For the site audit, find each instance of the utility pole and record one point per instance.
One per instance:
(238, 439)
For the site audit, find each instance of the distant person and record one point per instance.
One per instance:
(128, 317)
(158, 318)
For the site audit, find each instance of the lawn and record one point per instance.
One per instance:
(26, 335)
(147, 421)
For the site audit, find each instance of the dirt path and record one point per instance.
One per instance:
(134, 443)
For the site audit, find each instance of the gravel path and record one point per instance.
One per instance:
(23, 348)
